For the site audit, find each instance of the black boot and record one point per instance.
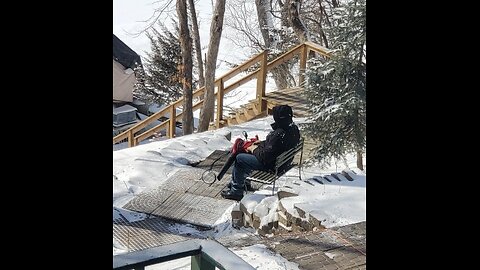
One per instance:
(228, 194)
(247, 184)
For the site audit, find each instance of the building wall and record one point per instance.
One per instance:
(122, 83)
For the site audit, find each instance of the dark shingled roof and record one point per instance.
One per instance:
(124, 55)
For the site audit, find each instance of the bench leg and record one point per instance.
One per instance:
(300, 165)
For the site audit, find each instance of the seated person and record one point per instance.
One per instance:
(262, 154)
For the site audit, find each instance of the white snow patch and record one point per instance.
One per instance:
(223, 226)
(266, 210)
(330, 255)
(250, 201)
(262, 258)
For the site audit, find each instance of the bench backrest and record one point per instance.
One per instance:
(288, 155)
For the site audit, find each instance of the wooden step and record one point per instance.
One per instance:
(249, 112)
(232, 121)
(256, 107)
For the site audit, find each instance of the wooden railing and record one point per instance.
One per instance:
(134, 136)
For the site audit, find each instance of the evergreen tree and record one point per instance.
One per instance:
(159, 81)
(336, 88)
(140, 87)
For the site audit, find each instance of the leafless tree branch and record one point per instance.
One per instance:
(153, 19)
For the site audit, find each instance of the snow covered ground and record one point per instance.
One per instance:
(147, 166)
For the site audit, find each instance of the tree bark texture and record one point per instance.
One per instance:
(359, 160)
(186, 67)
(294, 17)
(281, 73)
(196, 40)
(262, 16)
(216, 27)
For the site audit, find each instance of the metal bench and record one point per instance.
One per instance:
(269, 177)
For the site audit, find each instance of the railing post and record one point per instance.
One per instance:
(199, 263)
(173, 121)
(131, 140)
(261, 80)
(303, 64)
(219, 103)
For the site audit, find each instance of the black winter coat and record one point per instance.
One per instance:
(281, 139)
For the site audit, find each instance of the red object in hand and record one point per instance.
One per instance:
(240, 146)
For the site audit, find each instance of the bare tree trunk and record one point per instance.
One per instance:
(359, 160)
(295, 21)
(206, 114)
(280, 74)
(322, 33)
(263, 19)
(196, 40)
(186, 67)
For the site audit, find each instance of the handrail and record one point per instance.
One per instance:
(301, 49)
(208, 253)
(320, 49)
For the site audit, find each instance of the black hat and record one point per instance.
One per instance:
(282, 113)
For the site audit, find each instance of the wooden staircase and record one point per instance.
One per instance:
(253, 109)
(245, 113)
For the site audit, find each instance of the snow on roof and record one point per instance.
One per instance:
(137, 101)
(124, 109)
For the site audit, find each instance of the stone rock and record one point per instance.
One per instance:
(237, 216)
(282, 219)
(284, 193)
(315, 218)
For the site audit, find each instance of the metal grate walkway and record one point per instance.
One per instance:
(146, 233)
(184, 198)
